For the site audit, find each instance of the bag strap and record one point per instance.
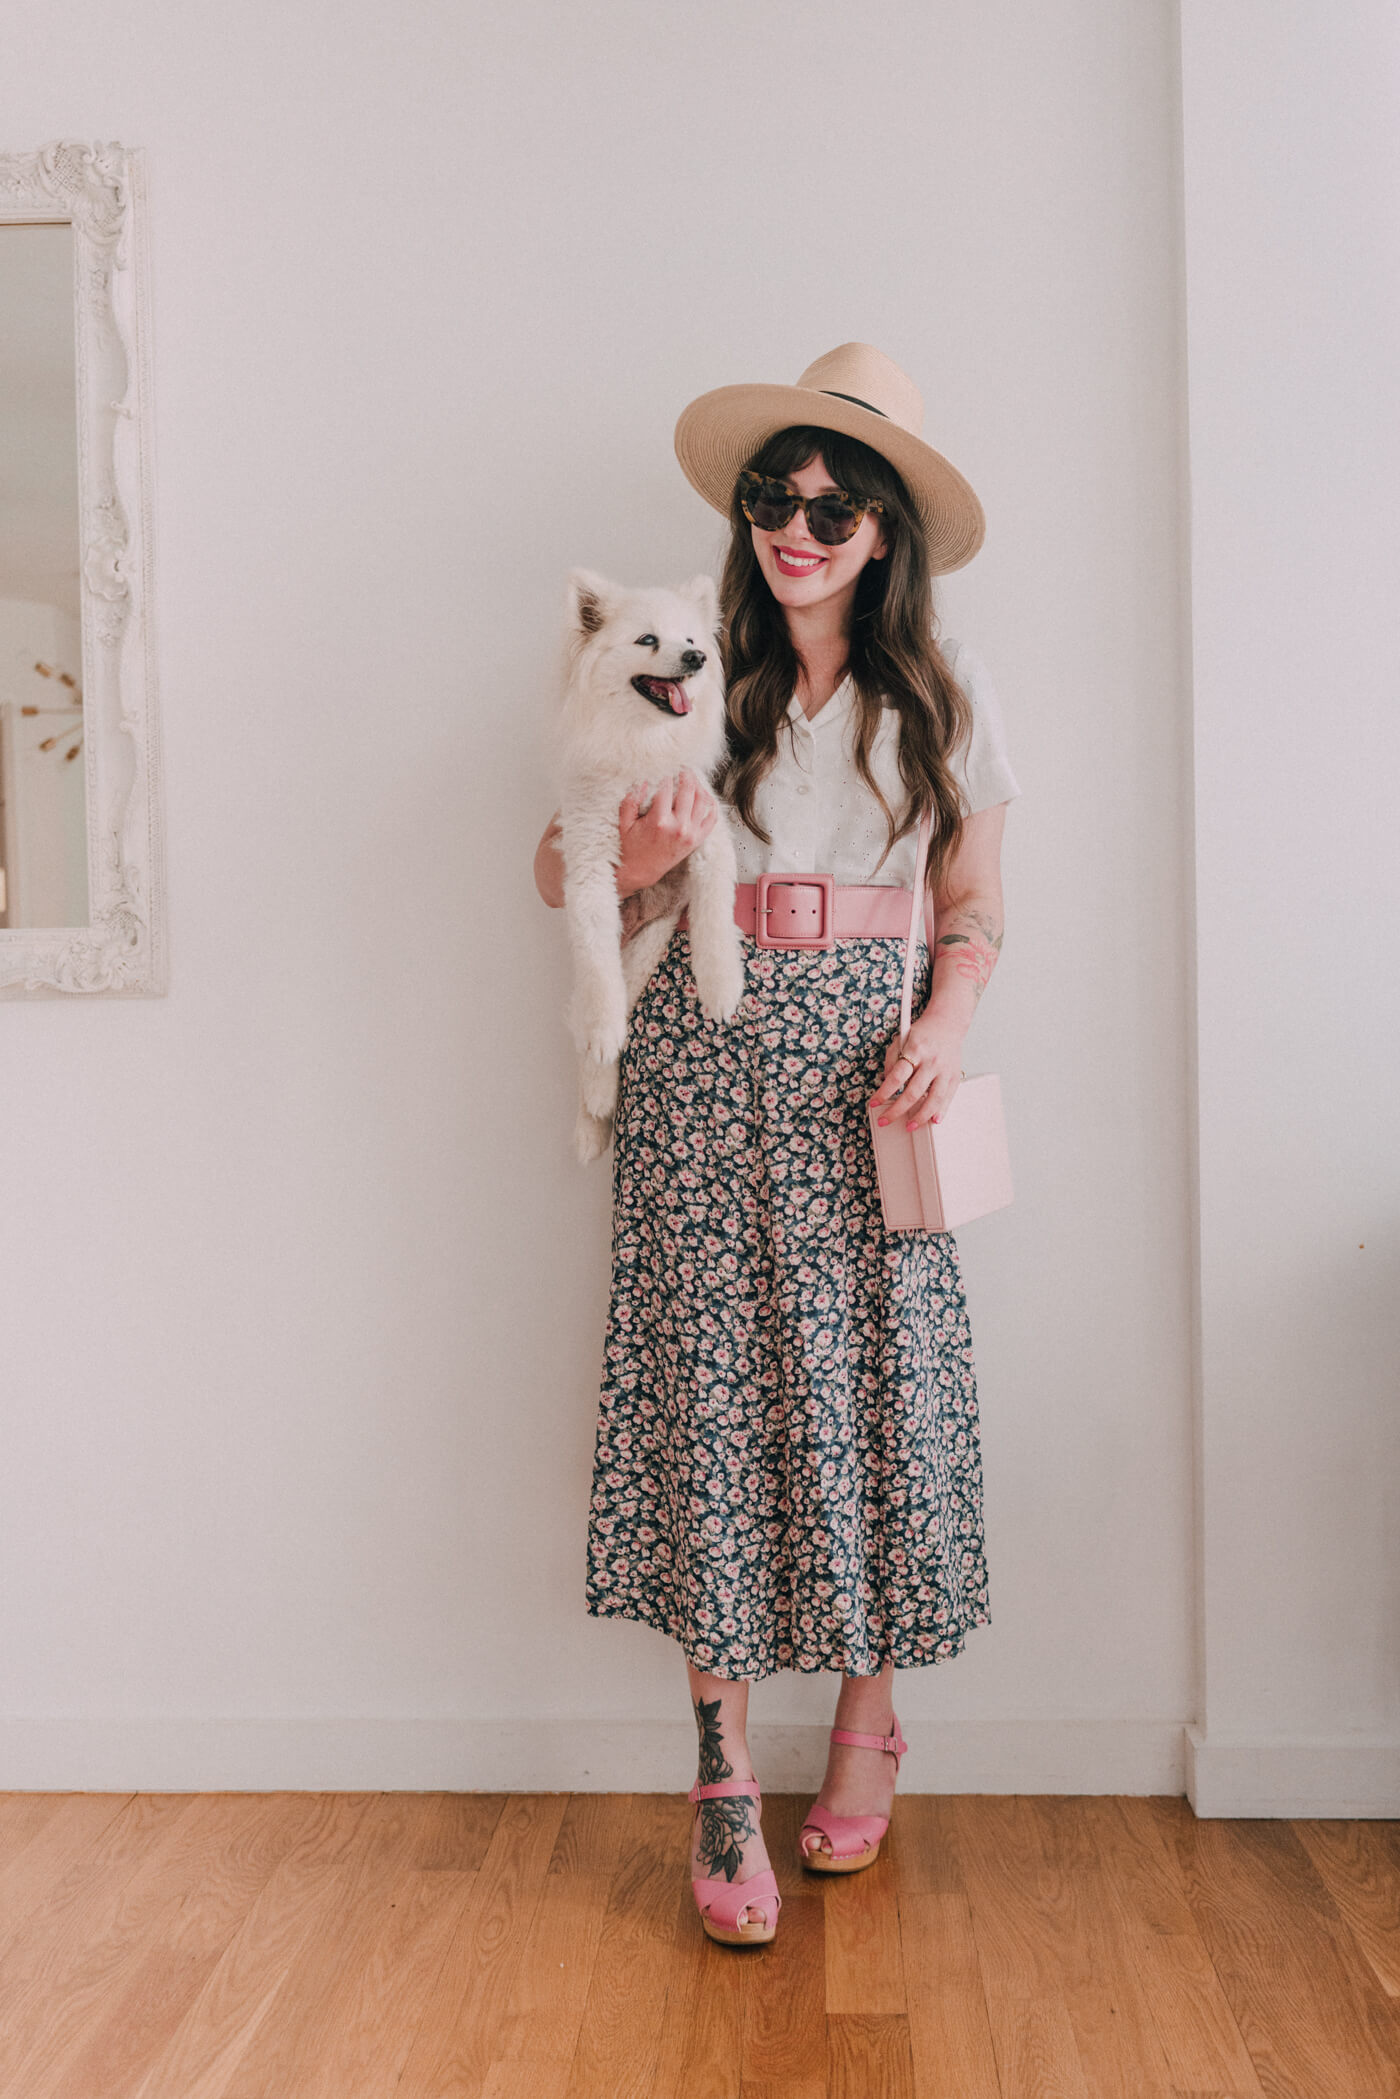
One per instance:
(917, 896)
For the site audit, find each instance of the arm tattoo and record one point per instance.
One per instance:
(974, 945)
(724, 1824)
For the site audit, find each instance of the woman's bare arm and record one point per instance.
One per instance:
(549, 866)
(967, 930)
(968, 919)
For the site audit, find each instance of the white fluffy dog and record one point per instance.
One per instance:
(643, 696)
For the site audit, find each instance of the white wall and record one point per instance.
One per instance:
(306, 1294)
(1292, 130)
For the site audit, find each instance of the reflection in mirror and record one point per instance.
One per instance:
(43, 806)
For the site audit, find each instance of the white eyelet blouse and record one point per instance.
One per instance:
(821, 814)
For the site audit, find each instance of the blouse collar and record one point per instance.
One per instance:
(836, 707)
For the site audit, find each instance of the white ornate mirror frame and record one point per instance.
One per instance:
(100, 191)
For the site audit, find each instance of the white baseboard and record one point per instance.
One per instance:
(574, 1756)
(1351, 1777)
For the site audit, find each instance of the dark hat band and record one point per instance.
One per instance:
(854, 399)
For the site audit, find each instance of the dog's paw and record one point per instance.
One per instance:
(598, 1021)
(606, 1046)
(592, 1135)
(598, 1086)
(722, 992)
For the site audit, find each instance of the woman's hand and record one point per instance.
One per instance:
(683, 812)
(934, 1048)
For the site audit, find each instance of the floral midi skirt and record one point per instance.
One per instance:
(787, 1473)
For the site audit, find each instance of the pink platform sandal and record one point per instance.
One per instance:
(855, 1839)
(721, 1902)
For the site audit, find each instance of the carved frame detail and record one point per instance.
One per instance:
(100, 190)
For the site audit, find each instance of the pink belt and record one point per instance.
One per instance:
(813, 910)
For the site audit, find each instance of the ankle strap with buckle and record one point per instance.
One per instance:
(724, 1789)
(895, 1744)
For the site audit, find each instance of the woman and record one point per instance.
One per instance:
(787, 1470)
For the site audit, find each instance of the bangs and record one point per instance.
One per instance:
(854, 466)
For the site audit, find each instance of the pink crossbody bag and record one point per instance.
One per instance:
(947, 1172)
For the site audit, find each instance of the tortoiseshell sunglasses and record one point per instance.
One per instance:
(833, 517)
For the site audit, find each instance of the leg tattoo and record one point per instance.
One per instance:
(713, 1765)
(724, 1824)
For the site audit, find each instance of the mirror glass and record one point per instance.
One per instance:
(43, 801)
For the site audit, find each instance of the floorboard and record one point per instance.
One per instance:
(547, 1946)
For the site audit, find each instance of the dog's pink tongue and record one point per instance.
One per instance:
(680, 704)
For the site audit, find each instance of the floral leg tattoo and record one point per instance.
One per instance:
(724, 1824)
(975, 949)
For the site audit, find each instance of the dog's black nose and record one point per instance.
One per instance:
(692, 660)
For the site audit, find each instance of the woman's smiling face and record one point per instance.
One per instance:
(801, 572)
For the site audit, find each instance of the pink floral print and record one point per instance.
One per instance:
(787, 1472)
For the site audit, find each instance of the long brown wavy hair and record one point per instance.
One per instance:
(894, 654)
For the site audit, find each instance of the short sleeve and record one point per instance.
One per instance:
(985, 764)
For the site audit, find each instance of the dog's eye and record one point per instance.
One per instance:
(646, 641)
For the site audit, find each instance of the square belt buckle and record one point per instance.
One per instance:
(802, 920)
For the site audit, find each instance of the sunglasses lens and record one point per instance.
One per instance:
(769, 504)
(833, 520)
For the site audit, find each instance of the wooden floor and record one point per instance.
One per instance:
(546, 1946)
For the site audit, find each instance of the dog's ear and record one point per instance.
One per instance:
(589, 596)
(701, 592)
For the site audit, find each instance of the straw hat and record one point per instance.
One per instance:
(857, 390)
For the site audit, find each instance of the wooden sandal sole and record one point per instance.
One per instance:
(759, 1936)
(819, 1861)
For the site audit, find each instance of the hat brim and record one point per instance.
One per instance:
(720, 431)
